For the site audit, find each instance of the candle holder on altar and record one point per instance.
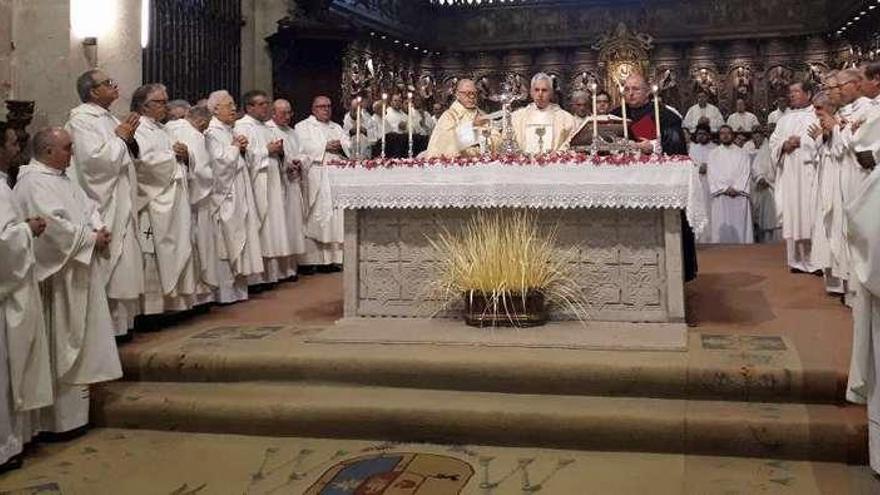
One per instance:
(506, 98)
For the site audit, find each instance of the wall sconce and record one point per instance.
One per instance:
(89, 20)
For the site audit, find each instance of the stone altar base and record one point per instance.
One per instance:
(620, 336)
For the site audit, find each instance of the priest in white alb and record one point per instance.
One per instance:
(369, 131)
(699, 153)
(235, 211)
(164, 211)
(702, 112)
(264, 155)
(542, 126)
(282, 113)
(863, 386)
(794, 152)
(103, 167)
(826, 229)
(742, 120)
(728, 175)
(25, 373)
(321, 141)
(200, 183)
(763, 188)
(81, 339)
(456, 132)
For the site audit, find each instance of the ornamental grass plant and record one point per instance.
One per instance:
(505, 257)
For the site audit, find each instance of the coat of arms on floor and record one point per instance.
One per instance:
(399, 473)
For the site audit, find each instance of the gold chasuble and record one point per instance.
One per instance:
(454, 133)
(541, 131)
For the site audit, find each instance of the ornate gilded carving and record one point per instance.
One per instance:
(623, 52)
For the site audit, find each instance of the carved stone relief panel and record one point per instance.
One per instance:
(620, 260)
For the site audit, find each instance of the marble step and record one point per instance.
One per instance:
(773, 430)
(718, 368)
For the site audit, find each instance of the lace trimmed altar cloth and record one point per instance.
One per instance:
(655, 183)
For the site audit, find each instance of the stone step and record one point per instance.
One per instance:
(714, 367)
(773, 430)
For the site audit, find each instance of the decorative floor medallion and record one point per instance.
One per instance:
(395, 473)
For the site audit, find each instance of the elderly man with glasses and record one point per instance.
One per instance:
(457, 130)
(103, 167)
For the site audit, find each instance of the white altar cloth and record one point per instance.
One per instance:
(660, 184)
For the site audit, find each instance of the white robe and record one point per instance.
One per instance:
(235, 214)
(25, 371)
(699, 153)
(730, 168)
(293, 196)
(81, 341)
(696, 112)
(775, 115)
(104, 169)
(393, 120)
(743, 122)
(324, 223)
(864, 230)
(266, 180)
(166, 222)
(763, 203)
(368, 140)
(795, 185)
(200, 183)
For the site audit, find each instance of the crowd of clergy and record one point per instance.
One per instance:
(116, 222)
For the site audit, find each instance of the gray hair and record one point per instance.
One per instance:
(824, 100)
(44, 140)
(216, 97)
(140, 95)
(850, 75)
(179, 104)
(85, 83)
(199, 112)
(580, 95)
(541, 76)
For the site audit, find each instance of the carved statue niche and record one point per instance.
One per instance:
(426, 87)
(623, 52)
(447, 91)
(583, 80)
(666, 78)
(816, 72)
(705, 79)
(739, 84)
(778, 78)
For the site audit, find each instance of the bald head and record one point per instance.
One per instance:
(282, 112)
(466, 93)
(53, 147)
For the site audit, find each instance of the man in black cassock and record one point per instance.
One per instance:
(643, 129)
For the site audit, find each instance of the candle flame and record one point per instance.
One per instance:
(384, 96)
(655, 88)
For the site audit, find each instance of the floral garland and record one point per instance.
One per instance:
(555, 158)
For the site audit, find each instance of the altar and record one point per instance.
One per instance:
(621, 216)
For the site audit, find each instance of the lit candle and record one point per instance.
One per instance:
(357, 126)
(384, 102)
(409, 123)
(656, 90)
(593, 88)
(623, 112)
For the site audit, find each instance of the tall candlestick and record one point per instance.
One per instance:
(384, 102)
(409, 123)
(656, 90)
(357, 127)
(593, 88)
(623, 111)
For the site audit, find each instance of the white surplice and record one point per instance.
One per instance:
(200, 183)
(293, 196)
(763, 203)
(266, 180)
(368, 140)
(103, 167)
(324, 223)
(699, 153)
(25, 371)
(795, 184)
(742, 122)
(81, 339)
(165, 217)
(730, 168)
(775, 115)
(396, 121)
(235, 213)
(864, 231)
(696, 112)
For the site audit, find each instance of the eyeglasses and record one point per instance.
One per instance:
(110, 83)
(469, 94)
(322, 106)
(160, 102)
